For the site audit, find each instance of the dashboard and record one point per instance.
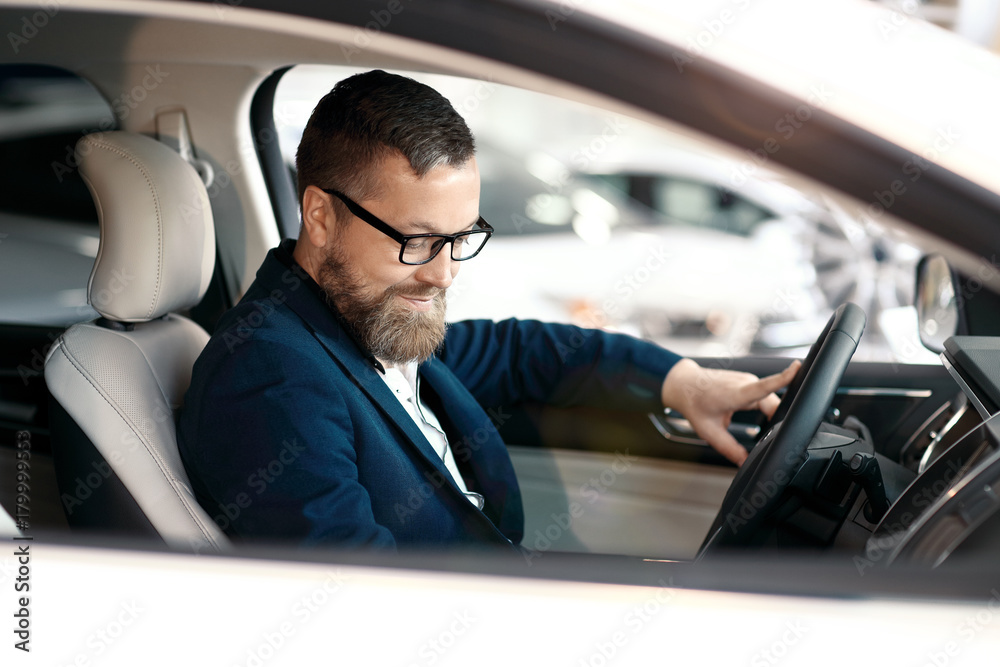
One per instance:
(951, 506)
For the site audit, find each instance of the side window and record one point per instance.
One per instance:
(604, 220)
(708, 205)
(48, 223)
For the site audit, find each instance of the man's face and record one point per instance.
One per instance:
(398, 310)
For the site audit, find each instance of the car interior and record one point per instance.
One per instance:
(122, 242)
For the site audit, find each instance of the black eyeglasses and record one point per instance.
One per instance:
(422, 248)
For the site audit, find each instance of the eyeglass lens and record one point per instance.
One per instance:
(421, 249)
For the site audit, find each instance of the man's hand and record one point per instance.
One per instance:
(708, 398)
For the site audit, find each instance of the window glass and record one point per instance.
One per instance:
(707, 205)
(48, 223)
(604, 220)
(688, 201)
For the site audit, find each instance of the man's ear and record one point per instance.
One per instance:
(318, 217)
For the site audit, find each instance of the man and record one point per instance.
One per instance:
(334, 407)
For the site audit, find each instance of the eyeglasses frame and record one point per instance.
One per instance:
(373, 220)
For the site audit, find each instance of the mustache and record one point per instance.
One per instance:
(415, 290)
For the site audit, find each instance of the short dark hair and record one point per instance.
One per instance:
(366, 117)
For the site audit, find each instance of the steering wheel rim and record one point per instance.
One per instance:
(757, 488)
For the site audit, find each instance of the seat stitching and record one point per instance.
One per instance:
(153, 455)
(156, 204)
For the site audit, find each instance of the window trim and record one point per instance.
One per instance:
(281, 189)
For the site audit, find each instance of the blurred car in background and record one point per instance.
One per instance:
(659, 232)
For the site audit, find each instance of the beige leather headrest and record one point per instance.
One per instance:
(157, 247)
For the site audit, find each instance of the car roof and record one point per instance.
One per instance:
(880, 68)
(865, 74)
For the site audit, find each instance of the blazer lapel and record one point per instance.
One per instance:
(344, 351)
(481, 453)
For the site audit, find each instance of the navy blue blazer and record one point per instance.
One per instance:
(288, 433)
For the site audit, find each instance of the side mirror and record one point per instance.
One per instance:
(937, 307)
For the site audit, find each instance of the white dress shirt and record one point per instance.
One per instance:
(404, 381)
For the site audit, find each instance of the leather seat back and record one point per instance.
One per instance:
(118, 381)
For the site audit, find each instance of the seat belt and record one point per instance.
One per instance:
(172, 129)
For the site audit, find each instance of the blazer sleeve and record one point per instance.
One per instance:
(513, 361)
(274, 452)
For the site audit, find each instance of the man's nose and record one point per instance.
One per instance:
(439, 271)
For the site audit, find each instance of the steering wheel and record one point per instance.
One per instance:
(758, 486)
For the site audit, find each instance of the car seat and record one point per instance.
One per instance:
(118, 381)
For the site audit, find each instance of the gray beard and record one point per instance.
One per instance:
(392, 332)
